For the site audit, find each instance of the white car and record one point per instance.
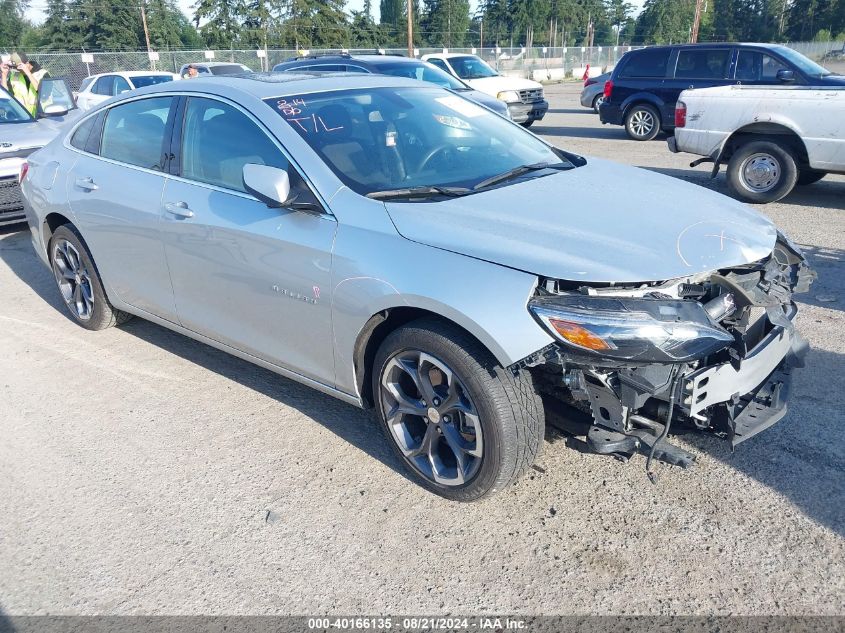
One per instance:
(772, 138)
(525, 99)
(97, 88)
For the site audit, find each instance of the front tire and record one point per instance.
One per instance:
(642, 122)
(79, 282)
(761, 172)
(463, 425)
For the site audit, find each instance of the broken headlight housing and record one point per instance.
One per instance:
(631, 329)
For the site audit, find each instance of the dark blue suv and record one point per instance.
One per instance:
(646, 83)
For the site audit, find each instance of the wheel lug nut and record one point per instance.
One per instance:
(436, 402)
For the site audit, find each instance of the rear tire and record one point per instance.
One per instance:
(597, 102)
(642, 122)
(445, 403)
(527, 124)
(809, 176)
(79, 281)
(761, 172)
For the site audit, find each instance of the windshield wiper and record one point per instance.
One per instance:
(418, 192)
(519, 171)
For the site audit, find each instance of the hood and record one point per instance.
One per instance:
(495, 85)
(486, 100)
(603, 222)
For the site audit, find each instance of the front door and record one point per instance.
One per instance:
(251, 277)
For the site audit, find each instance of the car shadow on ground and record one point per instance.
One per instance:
(825, 194)
(568, 111)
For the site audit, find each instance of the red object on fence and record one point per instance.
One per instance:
(586, 73)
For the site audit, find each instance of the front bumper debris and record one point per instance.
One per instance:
(621, 408)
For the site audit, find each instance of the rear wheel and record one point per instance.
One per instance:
(761, 172)
(79, 283)
(809, 176)
(642, 122)
(462, 424)
(597, 102)
(527, 123)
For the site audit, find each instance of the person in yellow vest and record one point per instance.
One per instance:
(21, 77)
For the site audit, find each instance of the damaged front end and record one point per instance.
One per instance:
(711, 352)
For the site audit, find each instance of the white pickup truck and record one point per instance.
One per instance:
(771, 137)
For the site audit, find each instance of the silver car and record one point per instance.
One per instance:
(21, 134)
(399, 247)
(592, 94)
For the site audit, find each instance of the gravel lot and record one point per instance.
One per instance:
(143, 473)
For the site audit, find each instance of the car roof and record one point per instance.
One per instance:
(131, 73)
(281, 84)
(451, 55)
(368, 58)
(710, 45)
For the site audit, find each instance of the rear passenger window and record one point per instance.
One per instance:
(703, 63)
(218, 140)
(647, 64)
(80, 137)
(134, 132)
(757, 66)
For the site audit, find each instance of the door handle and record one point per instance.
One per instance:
(87, 184)
(179, 209)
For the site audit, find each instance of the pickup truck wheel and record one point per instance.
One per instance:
(463, 425)
(809, 176)
(79, 283)
(528, 123)
(642, 122)
(761, 171)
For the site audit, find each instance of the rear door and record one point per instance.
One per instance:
(251, 277)
(115, 189)
(644, 71)
(696, 67)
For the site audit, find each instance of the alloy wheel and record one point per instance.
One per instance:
(431, 418)
(73, 279)
(642, 122)
(760, 172)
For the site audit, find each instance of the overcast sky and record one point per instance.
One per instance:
(36, 10)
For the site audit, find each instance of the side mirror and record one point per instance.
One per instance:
(54, 109)
(271, 185)
(786, 76)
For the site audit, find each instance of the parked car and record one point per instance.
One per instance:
(21, 135)
(97, 88)
(395, 66)
(593, 93)
(771, 138)
(215, 68)
(394, 245)
(645, 84)
(525, 98)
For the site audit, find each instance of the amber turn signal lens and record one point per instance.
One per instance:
(578, 335)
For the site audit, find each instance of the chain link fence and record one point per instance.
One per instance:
(538, 63)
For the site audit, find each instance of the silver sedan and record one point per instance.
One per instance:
(397, 246)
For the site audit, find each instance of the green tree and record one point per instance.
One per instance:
(392, 19)
(13, 25)
(445, 22)
(221, 19)
(664, 21)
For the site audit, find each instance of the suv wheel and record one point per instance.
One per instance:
(79, 283)
(642, 122)
(528, 123)
(463, 425)
(761, 171)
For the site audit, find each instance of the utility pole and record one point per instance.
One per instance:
(693, 38)
(481, 35)
(410, 28)
(146, 29)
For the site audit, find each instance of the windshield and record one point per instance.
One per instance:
(11, 111)
(229, 69)
(142, 81)
(804, 64)
(422, 72)
(380, 139)
(469, 67)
